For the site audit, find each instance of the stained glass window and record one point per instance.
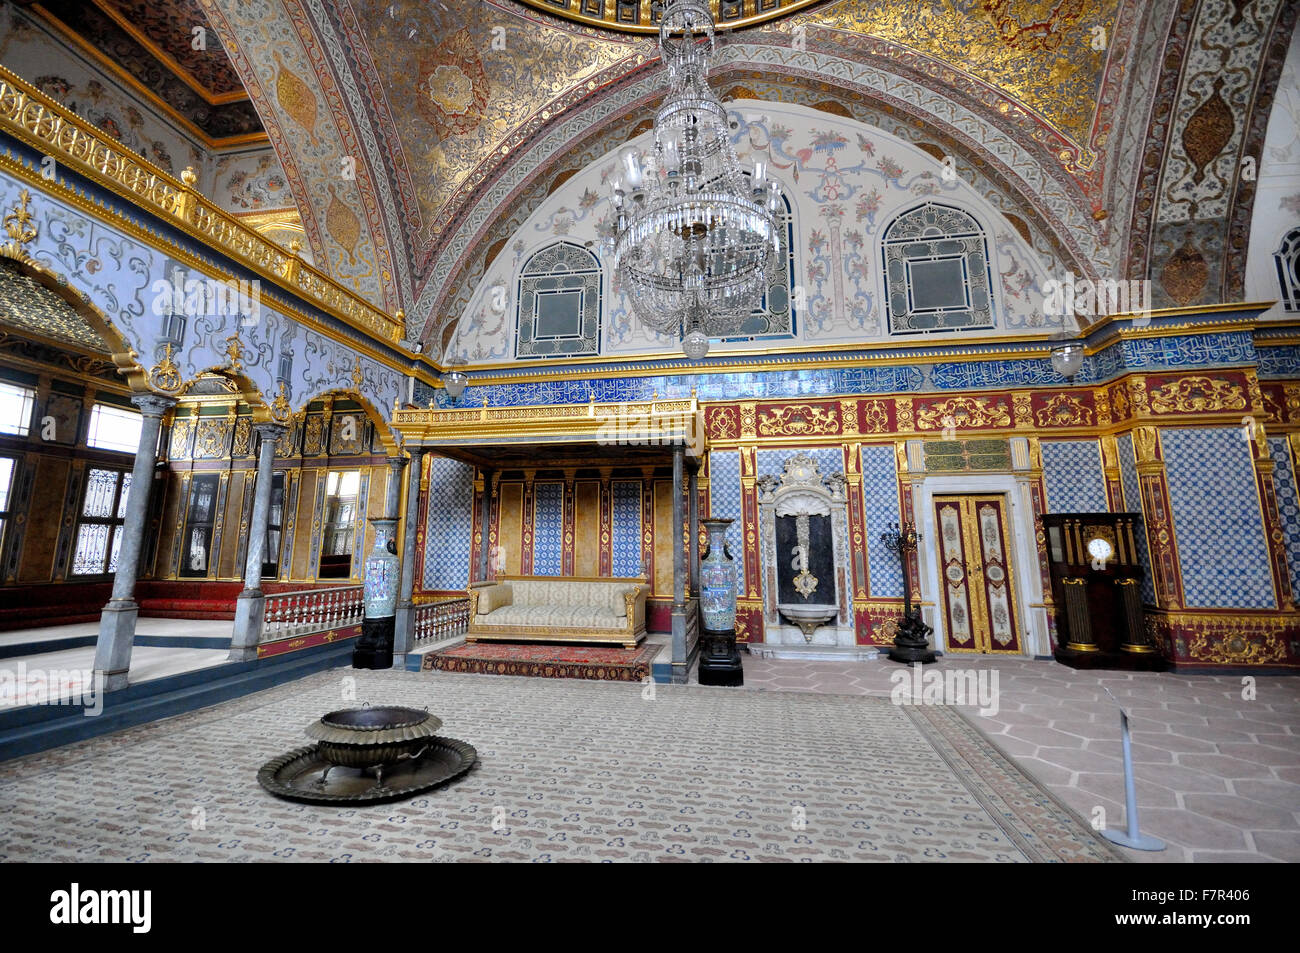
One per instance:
(559, 303)
(937, 274)
(99, 530)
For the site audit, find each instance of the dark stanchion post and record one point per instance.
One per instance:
(912, 642)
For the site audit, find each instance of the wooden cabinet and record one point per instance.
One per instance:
(1097, 587)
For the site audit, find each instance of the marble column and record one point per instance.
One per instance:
(404, 624)
(250, 608)
(117, 621)
(393, 494)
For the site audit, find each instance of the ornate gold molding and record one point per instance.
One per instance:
(798, 420)
(21, 229)
(1193, 395)
(38, 120)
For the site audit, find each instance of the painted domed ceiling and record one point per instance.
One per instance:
(408, 130)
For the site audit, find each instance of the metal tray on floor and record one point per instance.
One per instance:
(295, 776)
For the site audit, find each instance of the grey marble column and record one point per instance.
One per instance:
(117, 621)
(250, 607)
(393, 495)
(404, 623)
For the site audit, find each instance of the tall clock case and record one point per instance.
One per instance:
(1096, 585)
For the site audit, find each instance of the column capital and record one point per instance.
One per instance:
(397, 461)
(270, 432)
(153, 405)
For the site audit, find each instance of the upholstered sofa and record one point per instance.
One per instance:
(558, 609)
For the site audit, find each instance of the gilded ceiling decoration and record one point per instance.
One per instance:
(1047, 54)
(151, 46)
(30, 308)
(395, 120)
(642, 16)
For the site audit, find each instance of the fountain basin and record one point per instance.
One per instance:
(807, 616)
(369, 737)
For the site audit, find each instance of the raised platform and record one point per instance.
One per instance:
(48, 695)
(651, 659)
(814, 652)
(600, 663)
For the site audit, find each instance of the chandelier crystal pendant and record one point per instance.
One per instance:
(696, 236)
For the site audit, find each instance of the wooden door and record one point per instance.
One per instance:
(975, 574)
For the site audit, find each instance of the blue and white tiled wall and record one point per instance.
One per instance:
(548, 529)
(1288, 505)
(724, 500)
(1217, 520)
(625, 539)
(880, 501)
(1074, 477)
(1128, 478)
(450, 526)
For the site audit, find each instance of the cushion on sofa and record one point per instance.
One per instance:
(559, 616)
(569, 592)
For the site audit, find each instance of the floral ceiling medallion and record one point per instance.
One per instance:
(453, 87)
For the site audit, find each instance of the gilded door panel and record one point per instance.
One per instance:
(991, 517)
(954, 578)
(975, 574)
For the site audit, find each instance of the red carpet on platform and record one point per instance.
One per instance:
(600, 663)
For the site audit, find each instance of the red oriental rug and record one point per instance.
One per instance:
(600, 663)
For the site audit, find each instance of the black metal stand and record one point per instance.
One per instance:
(912, 641)
(720, 659)
(375, 647)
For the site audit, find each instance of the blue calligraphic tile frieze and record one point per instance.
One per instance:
(929, 372)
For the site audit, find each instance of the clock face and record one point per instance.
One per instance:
(1100, 549)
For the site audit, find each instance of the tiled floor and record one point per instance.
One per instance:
(1218, 774)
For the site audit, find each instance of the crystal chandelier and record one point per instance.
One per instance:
(696, 236)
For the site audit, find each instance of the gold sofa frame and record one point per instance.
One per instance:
(629, 636)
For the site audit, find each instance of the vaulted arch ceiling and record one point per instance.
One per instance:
(1117, 126)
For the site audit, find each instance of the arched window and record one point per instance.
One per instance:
(559, 303)
(1287, 260)
(774, 316)
(937, 274)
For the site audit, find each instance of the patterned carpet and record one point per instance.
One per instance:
(570, 770)
(601, 663)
